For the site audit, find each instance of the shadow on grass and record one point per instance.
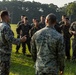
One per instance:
(20, 69)
(70, 68)
(21, 65)
(22, 58)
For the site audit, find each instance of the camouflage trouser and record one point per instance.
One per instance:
(4, 67)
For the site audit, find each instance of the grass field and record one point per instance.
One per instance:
(22, 65)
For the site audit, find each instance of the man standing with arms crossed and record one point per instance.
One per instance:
(47, 48)
(6, 41)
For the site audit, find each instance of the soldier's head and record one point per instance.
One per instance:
(42, 18)
(22, 16)
(5, 16)
(66, 20)
(63, 18)
(50, 19)
(33, 20)
(36, 23)
(25, 19)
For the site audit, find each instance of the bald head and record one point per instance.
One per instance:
(50, 19)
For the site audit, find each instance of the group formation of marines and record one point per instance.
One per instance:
(48, 42)
(24, 28)
(63, 27)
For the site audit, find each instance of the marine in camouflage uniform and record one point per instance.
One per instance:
(73, 32)
(6, 40)
(65, 31)
(57, 27)
(33, 21)
(47, 49)
(20, 22)
(25, 27)
(63, 19)
(18, 32)
(34, 28)
(42, 22)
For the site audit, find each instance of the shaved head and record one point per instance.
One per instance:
(51, 18)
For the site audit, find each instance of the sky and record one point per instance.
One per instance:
(59, 3)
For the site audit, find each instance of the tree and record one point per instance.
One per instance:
(71, 10)
(4, 0)
(35, 9)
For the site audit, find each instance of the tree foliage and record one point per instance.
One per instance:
(35, 9)
(70, 10)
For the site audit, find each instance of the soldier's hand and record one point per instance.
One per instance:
(61, 72)
(20, 32)
(23, 39)
(74, 32)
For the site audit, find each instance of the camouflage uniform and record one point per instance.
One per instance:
(6, 40)
(73, 28)
(25, 31)
(32, 25)
(19, 23)
(33, 30)
(61, 22)
(67, 36)
(48, 52)
(57, 27)
(42, 25)
(18, 34)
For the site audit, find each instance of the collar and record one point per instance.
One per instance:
(6, 24)
(51, 26)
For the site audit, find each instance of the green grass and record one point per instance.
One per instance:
(22, 65)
